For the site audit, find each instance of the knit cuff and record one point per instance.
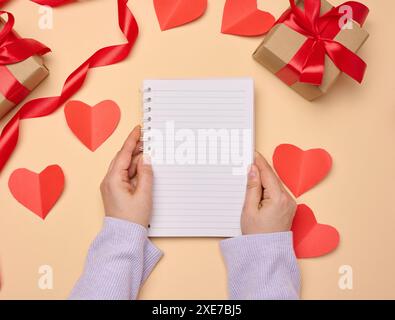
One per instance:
(257, 243)
(152, 255)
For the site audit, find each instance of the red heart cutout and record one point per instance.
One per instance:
(310, 238)
(37, 192)
(173, 13)
(92, 125)
(301, 170)
(243, 18)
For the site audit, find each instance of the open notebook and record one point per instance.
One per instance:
(199, 135)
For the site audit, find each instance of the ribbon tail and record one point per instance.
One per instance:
(53, 3)
(9, 140)
(346, 60)
(20, 50)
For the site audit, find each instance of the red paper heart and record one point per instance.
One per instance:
(173, 13)
(92, 125)
(37, 192)
(310, 238)
(301, 170)
(243, 18)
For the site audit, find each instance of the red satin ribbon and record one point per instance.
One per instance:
(42, 107)
(308, 64)
(51, 3)
(12, 50)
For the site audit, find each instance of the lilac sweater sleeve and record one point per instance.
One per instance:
(119, 260)
(261, 266)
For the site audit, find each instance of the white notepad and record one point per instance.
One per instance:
(199, 134)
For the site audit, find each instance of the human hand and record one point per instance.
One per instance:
(268, 207)
(127, 187)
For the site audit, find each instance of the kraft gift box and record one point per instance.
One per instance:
(282, 43)
(30, 73)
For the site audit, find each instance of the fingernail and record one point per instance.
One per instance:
(253, 172)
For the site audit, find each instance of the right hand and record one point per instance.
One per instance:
(268, 207)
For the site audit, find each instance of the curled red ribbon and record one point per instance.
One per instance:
(308, 64)
(51, 3)
(42, 107)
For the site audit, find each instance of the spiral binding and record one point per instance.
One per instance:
(147, 118)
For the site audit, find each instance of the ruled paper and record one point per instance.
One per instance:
(199, 184)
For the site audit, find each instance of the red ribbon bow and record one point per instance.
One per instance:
(308, 64)
(14, 49)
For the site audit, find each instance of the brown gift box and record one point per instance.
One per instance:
(29, 72)
(282, 43)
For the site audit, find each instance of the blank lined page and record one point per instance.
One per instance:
(199, 135)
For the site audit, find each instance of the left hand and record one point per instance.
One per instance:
(127, 187)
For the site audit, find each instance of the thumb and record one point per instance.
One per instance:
(144, 176)
(254, 189)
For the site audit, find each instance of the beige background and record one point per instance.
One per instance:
(356, 124)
